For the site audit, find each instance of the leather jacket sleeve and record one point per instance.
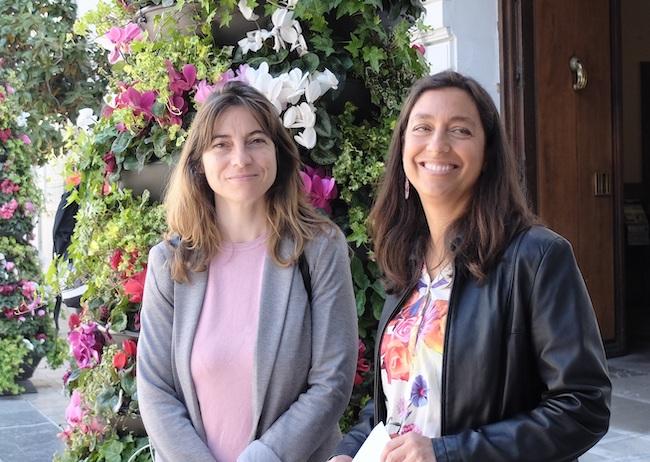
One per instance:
(573, 412)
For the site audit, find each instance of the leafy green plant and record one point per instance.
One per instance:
(12, 354)
(109, 251)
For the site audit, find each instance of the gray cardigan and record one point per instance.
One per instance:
(305, 358)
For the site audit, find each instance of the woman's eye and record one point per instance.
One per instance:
(421, 128)
(461, 131)
(258, 141)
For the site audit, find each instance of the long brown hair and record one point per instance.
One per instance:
(189, 200)
(497, 211)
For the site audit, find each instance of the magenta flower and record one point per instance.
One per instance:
(320, 189)
(86, 345)
(8, 209)
(121, 39)
(9, 266)
(179, 82)
(25, 139)
(10, 89)
(28, 288)
(5, 134)
(203, 89)
(8, 187)
(74, 413)
(141, 103)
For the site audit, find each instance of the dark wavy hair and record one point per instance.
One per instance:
(497, 211)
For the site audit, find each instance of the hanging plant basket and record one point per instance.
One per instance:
(157, 19)
(238, 27)
(71, 296)
(125, 424)
(153, 177)
(29, 365)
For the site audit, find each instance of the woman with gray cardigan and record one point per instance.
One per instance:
(248, 344)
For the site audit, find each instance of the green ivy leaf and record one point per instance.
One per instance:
(132, 163)
(373, 56)
(122, 142)
(118, 321)
(361, 302)
(310, 61)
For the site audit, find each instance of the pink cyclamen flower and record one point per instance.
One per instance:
(28, 288)
(9, 266)
(74, 413)
(25, 139)
(203, 90)
(10, 89)
(8, 209)
(86, 345)
(29, 208)
(8, 187)
(5, 134)
(121, 38)
(320, 190)
(419, 48)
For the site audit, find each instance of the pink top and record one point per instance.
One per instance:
(224, 347)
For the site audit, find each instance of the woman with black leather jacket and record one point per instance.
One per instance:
(488, 347)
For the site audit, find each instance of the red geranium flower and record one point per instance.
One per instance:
(134, 286)
(119, 360)
(129, 347)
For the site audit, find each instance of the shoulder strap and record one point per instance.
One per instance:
(306, 278)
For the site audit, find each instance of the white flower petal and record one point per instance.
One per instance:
(313, 91)
(307, 138)
(290, 116)
(307, 114)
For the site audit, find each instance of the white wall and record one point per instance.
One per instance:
(465, 37)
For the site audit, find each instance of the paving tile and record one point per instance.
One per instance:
(31, 443)
(19, 413)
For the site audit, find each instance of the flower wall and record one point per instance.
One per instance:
(27, 331)
(324, 65)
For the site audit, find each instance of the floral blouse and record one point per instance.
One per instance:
(411, 357)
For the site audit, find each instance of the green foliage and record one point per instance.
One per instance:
(56, 72)
(12, 354)
(107, 225)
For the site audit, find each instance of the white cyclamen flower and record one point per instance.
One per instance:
(247, 11)
(319, 84)
(86, 118)
(265, 83)
(293, 86)
(302, 116)
(21, 120)
(253, 41)
(287, 30)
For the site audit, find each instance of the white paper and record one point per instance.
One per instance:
(374, 445)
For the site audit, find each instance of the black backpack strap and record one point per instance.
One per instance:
(304, 271)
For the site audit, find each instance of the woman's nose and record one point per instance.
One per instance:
(240, 155)
(439, 142)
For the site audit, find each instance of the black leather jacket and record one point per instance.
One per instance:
(524, 372)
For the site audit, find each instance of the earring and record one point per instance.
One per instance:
(407, 187)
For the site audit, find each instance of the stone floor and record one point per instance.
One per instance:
(29, 422)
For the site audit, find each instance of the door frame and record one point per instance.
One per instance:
(517, 75)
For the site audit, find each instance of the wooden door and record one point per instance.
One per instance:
(573, 132)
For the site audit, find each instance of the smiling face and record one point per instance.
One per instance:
(444, 147)
(240, 163)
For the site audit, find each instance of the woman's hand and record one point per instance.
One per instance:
(341, 459)
(410, 447)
